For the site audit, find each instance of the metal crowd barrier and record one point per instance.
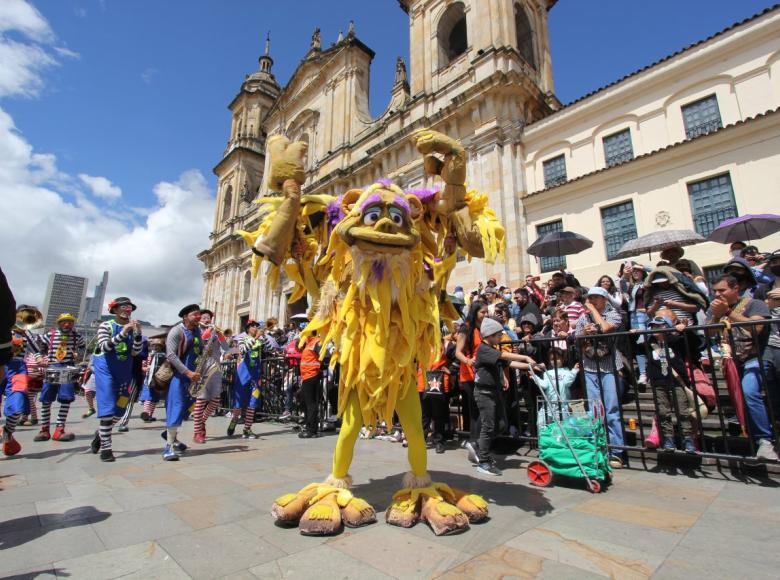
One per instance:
(727, 432)
(280, 389)
(717, 435)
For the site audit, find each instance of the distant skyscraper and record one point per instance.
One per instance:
(93, 305)
(64, 293)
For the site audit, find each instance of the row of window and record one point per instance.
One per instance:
(712, 201)
(699, 117)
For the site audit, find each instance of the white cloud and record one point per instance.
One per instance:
(153, 262)
(148, 75)
(101, 187)
(53, 226)
(22, 17)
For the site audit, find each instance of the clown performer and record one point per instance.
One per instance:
(14, 386)
(118, 341)
(88, 384)
(149, 395)
(62, 350)
(183, 347)
(246, 384)
(207, 399)
(377, 262)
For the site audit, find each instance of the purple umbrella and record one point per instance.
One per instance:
(746, 227)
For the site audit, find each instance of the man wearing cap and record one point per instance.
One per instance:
(246, 385)
(665, 287)
(183, 347)
(572, 307)
(62, 350)
(118, 341)
(601, 361)
(740, 269)
(673, 255)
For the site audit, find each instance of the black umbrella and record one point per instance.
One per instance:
(556, 244)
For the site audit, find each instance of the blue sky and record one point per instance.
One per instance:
(146, 99)
(114, 112)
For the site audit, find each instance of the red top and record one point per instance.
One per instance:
(466, 372)
(310, 359)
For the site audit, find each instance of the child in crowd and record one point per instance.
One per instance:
(556, 384)
(668, 377)
(489, 378)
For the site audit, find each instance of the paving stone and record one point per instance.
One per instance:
(149, 495)
(219, 551)
(60, 511)
(142, 560)
(23, 549)
(636, 514)
(19, 517)
(32, 493)
(396, 552)
(139, 525)
(318, 562)
(208, 511)
(505, 562)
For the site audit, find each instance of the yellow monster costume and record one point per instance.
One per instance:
(376, 262)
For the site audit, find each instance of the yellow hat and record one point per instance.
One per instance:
(65, 316)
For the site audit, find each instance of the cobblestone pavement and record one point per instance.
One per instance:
(64, 513)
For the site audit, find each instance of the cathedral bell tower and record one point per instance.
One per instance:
(456, 34)
(227, 281)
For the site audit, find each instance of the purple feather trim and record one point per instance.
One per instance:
(333, 213)
(370, 200)
(423, 195)
(385, 182)
(378, 269)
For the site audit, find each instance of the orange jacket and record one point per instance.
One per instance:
(310, 359)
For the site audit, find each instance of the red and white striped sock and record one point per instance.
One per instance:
(197, 417)
(249, 418)
(149, 407)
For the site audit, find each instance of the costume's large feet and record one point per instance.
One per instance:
(321, 509)
(445, 510)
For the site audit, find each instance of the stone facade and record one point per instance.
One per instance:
(480, 83)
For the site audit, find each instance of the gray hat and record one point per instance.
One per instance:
(598, 291)
(490, 327)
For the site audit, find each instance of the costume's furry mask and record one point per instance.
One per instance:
(380, 219)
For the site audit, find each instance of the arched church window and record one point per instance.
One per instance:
(452, 34)
(227, 202)
(525, 36)
(247, 284)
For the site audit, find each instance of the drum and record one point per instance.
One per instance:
(62, 375)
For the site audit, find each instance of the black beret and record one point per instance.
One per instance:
(187, 309)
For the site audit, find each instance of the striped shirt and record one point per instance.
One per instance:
(63, 347)
(595, 345)
(107, 340)
(574, 311)
(672, 294)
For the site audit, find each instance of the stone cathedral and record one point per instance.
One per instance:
(480, 71)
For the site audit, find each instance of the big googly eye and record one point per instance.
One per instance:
(372, 216)
(397, 216)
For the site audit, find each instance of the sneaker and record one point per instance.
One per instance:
(248, 434)
(43, 435)
(169, 454)
(668, 445)
(88, 414)
(766, 450)
(199, 438)
(94, 446)
(615, 462)
(307, 435)
(439, 447)
(61, 435)
(285, 416)
(397, 436)
(30, 422)
(231, 429)
(689, 446)
(471, 449)
(488, 469)
(123, 429)
(145, 417)
(179, 447)
(107, 455)
(642, 380)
